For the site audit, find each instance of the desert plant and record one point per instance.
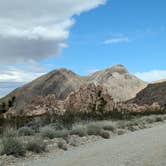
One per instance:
(61, 133)
(57, 126)
(79, 130)
(47, 132)
(62, 145)
(10, 132)
(11, 146)
(109, 127)
(25, 131)
(104, 134)
(36, 146)
(159, 119)
(93, 129)
(121, 131)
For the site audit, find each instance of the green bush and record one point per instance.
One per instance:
(11, 146)
(62, 145)
(79, 130)
(159, 119)
(121, 131)
(36, 146)
(47, 132)
(93, 129)
(104, 134)
(25, 131)
(10, 132)
(61, 133)
(109, 127)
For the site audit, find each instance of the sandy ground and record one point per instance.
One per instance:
(141, 148)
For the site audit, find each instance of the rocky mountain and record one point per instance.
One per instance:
(153, 93)
(121, 85)
(119, 82)
(58, 82)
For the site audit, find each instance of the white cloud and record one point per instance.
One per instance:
(116, 40)
(32, 30)
(152, 75)
(13, 74)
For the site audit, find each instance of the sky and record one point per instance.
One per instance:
(84, 36)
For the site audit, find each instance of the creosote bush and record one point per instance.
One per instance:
(62, 145)
(25, 131)
(104, 134)
(61, 133)
(11, 146)
(36, 146)
(93, 129)
(10, 132)
(79, 130)
(47, 132)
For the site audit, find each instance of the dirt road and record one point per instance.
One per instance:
(142, 148)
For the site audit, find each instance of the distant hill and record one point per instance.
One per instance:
(155, 92)
(120, 83)
(58, 82)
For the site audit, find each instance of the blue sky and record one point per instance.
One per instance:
(90, 35)
(141, 22)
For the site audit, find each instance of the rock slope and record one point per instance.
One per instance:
(153, 93)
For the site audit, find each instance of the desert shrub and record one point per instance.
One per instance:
(104, 134)
(159, 119)
(93, 129)
(73, 141)
(79, 130)
(150, 119)
(10, 132)
(11, 146)
(109, 127)
(133, 128)
(121, 131)
(36, 146)
(57, 126)
(164, 117)
(25, 131)
(62, 145)
(47, 132)
(61, 133)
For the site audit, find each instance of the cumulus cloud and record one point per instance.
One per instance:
(12, 77)
(116, 40)
(32, 30)
(153, 75)
(12, 74)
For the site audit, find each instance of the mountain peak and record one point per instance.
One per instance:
(121, 69)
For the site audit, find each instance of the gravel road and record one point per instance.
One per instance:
(142, 148)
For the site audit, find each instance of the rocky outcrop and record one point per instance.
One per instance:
(90, 101)
(153, 93)
(90, 98)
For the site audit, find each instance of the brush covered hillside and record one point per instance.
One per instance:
(121, 85)
(153, 93)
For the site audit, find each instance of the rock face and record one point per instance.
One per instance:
(90, 101)
(89, 98)
(120, 83)
(153, 93)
